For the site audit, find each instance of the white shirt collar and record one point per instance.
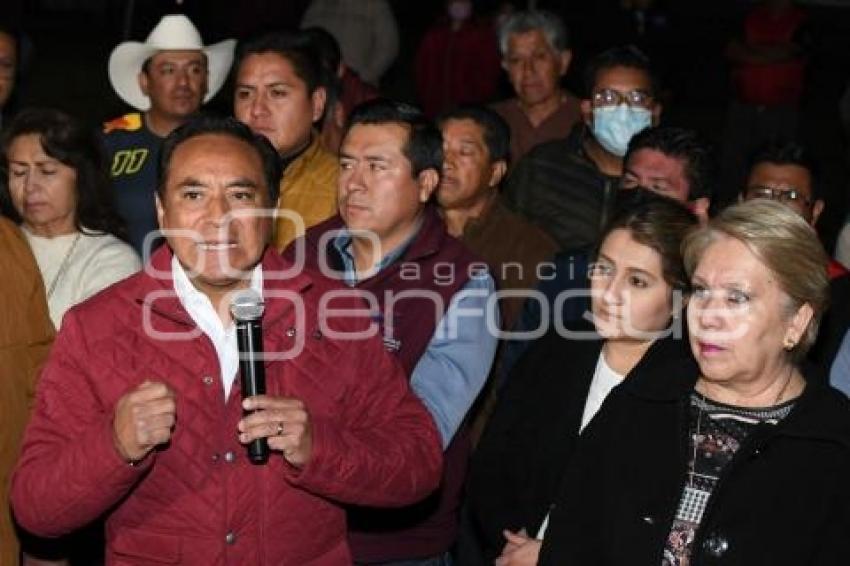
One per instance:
(187, 292)
(201, 310)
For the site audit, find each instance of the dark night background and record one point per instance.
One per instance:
(70, 41)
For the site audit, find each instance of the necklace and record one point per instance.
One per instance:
(63, 267)
(695, 438)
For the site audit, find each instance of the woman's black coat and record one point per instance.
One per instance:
(522, 456)
(784, 499)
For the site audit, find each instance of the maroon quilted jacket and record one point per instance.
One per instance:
(199, 500)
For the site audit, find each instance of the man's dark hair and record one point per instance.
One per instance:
(622, 56)
(685, 145)
(326, 45)
(70, 142)
(424, 147)
(497, 134)
(327, 50)
(788, 153)
(293, 46)
(231, 127)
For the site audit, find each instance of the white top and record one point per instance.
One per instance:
(96, 262)
(200, 308)
(604, 380)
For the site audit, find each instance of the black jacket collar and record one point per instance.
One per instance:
(820, 413)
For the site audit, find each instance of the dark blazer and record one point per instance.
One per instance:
(784, 499)
(520, 461)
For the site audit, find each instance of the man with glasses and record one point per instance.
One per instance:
(568, 186)
(785, 172)
(767, 60)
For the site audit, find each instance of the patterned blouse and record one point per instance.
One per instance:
(716, 433)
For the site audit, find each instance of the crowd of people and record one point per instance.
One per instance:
(543, 330)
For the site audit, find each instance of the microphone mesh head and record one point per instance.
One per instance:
(247, 305)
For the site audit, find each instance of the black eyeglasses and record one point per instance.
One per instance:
(785, 195)
(610, 97)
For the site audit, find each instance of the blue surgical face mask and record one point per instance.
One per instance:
(614, 126)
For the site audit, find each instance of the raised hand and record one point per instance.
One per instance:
(144, 418)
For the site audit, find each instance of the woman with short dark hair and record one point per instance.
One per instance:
(637, 287)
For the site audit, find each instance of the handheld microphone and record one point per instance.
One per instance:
(247, 310)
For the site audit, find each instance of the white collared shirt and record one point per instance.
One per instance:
(202, 312)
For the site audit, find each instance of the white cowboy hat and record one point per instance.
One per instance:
(173, 32)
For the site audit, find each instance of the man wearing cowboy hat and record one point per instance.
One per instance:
(166, 78)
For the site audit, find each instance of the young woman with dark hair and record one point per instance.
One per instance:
(637, 289)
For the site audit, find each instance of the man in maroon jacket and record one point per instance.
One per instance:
(139, 415)
(426, 291)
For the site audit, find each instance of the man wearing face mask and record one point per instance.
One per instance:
(567, 186)
(457, 61)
